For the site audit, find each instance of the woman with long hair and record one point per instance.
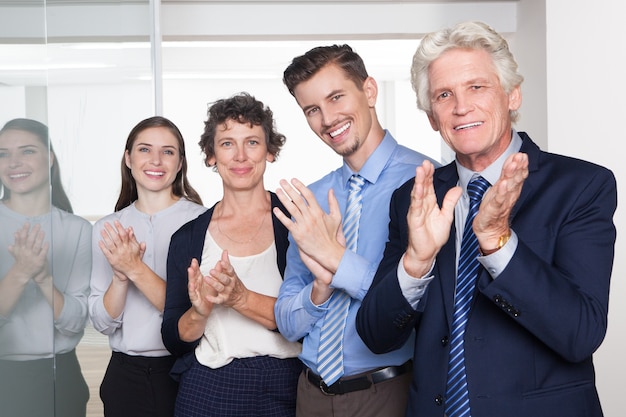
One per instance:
(224, 271)
(129, 250)
(44, 279)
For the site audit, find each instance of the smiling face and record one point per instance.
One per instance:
(470, 109)
(240, 154)
(154, 160)
(340, 113)
(24, 163)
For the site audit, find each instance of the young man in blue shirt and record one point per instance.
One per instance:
(338, 98)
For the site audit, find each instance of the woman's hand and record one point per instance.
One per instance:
(229, 290)
(30, 253)
(199, 291)
(121, 248)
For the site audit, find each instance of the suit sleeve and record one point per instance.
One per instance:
(557, 283)
(176, 296)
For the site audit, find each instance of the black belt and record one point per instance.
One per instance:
(344, 386)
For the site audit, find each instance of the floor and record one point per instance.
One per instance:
(93, 353)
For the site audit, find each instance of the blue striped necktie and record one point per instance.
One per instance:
(330, 351)
(457, 396)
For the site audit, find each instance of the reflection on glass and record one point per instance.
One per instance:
(45, 262)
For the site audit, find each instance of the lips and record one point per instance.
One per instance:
(154, 173)
(468, 126)
(340, 130)
(19, 176)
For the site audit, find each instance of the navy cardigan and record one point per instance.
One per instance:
(188, 243)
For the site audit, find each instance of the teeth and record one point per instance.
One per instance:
(18, 176)
(340, 130)
(468, 125)
(155, 173)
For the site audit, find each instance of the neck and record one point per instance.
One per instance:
(150, 203)
(242, 203)
(30, 205)
(369, 145)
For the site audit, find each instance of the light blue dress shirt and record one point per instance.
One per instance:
(389, 166)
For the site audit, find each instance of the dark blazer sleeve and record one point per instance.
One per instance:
(556, 286)
(385, 319)
(187, 243)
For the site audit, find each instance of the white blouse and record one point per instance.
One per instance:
(228, 334)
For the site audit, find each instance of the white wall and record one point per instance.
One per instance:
(585, 83)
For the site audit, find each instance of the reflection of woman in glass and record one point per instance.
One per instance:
(224, 272)
(128, 277)
(44, 279)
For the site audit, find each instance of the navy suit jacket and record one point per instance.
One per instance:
(532, 331)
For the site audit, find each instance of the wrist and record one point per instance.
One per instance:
(502, 240)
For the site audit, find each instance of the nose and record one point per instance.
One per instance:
(328, 118)
(462, 104)
(240, 153)
(14, 160)
(155, 158)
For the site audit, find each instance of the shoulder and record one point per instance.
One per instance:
(191, 207)
(406, 155)
(72, 220)
(562, 169)
(200, 223)
(327, 181)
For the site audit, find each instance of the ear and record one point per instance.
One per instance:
(210, 161)
(433, 122)
(371, 91)
(127, 159)
(515, 98)
(270, 157)
(52, 159)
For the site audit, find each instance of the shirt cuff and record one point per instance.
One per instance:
(497, 261)
(413, 288)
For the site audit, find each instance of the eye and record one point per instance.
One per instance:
(336, 97)
(253, 142)
(143, 149)
(169, 152)
(443, 95)
(226, 143)
(4, 154)
(310, 112)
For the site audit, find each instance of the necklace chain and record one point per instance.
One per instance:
(219, 229)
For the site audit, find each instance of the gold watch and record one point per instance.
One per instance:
(501, 242)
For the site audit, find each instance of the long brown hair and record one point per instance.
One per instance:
(59, 198)
(180, 187)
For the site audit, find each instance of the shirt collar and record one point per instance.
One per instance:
(493, 171)
(376, 162)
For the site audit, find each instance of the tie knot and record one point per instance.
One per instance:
(476, 188)
(356, 182)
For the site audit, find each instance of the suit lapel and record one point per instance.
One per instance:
(445, 179)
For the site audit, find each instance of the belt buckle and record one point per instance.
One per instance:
(324, 387)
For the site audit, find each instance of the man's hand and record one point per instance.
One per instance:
(429, 225)
(492, 220)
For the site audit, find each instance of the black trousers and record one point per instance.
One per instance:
(43, 387)
(138, 386)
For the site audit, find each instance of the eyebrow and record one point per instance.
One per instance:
(329, 95)
(20, 147)
(151, 145)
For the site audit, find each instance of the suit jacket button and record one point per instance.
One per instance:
(444, 341)
(439, 399)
